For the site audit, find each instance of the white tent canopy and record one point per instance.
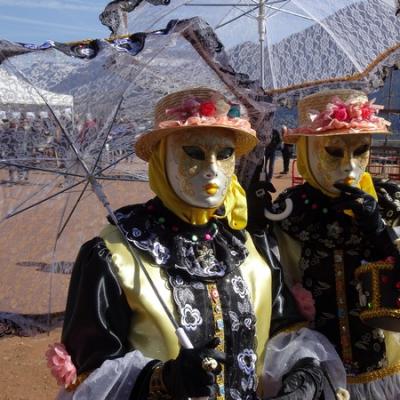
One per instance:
(14, 90)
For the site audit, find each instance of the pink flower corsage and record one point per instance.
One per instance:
(354, 114)
(60, 364)
(305, 301)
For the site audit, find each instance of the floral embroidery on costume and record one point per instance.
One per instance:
(237, 325)
(247, 361)
(191, 317)
(239, 287)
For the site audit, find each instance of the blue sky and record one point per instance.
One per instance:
(35, 21)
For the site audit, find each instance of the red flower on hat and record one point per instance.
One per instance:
(340, 113)
(367, 112)
(207, 109)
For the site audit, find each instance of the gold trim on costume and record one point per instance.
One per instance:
(341, 301)
(375, 309)
(380, 312)
(79, 379)
(374, 375)
(219, 333)
(373, 266)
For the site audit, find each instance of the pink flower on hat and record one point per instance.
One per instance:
(340, 113)
(189, 107)
(355, 112)
(367, 112)
(305, 301)
(60, 364)
(192, 107)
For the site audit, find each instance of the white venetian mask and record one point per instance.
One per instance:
(200, 164)
(342, 158)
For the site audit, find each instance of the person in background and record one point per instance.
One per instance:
(287, 154)
(270, 154)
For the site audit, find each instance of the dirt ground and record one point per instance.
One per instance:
(25, 375)
(24, 287)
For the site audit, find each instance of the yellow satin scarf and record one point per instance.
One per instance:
(235, 200)
(366, 184)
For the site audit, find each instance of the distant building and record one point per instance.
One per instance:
(389, 97)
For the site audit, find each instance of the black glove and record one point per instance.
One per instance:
(303, 382)
(364, 207)
(185, 377)
(389, 200)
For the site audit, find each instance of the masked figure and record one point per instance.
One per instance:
(334, 239)
(117, 342)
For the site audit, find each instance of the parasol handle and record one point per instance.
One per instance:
(183, 338)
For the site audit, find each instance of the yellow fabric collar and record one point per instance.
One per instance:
(235, 200)
(366, 184)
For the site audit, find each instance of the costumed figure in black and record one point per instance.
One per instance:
(270, 153)
(287, 153)
(191, 241)
(335, 244)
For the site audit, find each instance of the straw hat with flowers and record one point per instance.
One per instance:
(337, 112)
(194, 109)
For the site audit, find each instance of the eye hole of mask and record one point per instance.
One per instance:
(361, 150)
(334, 151)
(225, 153)
(194, 152)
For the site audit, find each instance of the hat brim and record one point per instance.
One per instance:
(292, 138)
(146, 143)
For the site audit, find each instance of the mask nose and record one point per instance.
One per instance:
(211, 171)
(349, 163)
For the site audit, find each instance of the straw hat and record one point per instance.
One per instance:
(336, 112)
(195, 109)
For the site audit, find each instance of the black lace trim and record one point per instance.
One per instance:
(203, 252)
